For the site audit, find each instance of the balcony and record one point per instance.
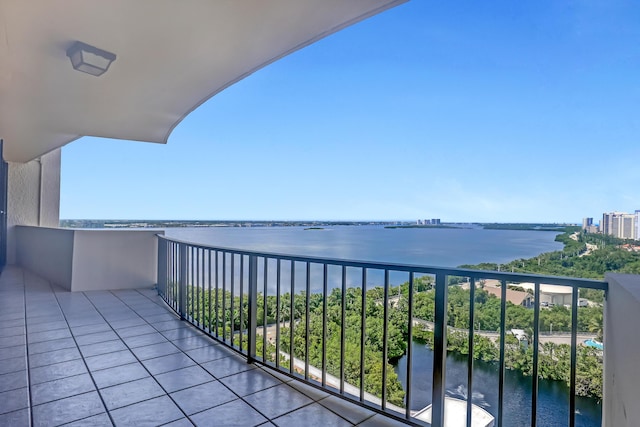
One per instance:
(203, 347)
(123, 358)
(184, 353)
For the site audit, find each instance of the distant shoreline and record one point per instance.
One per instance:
(561, 228)
(310, 225)
(422, 226)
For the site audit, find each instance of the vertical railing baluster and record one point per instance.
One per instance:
(170, 269)
(536, 350)
(241, 300)
(172, 281)
(264, 310)
(503, 321)
(209, 299)
(363, 332)
(202, 283)
(307, 313)
(224, 296)
(291, 317)
(325, 280)
(165, 267)
(194, 286)
(440, 351)
(178, 272)
(197, 288)
(385, 338)
(217, 296)
(190, 288)
(278, 313)
(409, 346)
(174, 269)
(182, 293)
(253, 308)
(343, 315)
(175, 286)
(472, 310)
(574, 354)
(232, 313)
(159, 268)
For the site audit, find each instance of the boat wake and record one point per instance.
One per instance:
(477, 398)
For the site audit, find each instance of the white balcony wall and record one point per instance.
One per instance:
(622, 347)
(83, 260)
(33, 196)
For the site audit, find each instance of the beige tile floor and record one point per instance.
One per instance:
(122, 358)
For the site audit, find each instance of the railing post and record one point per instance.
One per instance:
(440, 351)
(161, 276)
(574, 356)
(182, 292)
(253, 308)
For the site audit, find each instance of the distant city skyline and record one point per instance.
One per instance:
(466, 111)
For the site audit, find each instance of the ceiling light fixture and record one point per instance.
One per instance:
(90, 59)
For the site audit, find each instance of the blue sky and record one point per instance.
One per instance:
(459, 110)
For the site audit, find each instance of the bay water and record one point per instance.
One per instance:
(439, 247)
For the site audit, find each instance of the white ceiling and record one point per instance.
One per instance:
(172, 55)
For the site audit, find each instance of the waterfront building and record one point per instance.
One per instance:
(586, 223)
(620, 225)
(551, 295)
(515, 297)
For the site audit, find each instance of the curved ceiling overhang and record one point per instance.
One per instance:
(171, 57)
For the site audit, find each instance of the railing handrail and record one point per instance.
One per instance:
(448, 271)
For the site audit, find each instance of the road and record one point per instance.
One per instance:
(556, 338)
(590, 247)
(560, 338)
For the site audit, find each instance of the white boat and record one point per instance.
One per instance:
(455, 414)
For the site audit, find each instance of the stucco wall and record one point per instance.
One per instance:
(114, 259)
(621, 350)
(82, 260)
(50, 195)
(47, 252)
(33, 196)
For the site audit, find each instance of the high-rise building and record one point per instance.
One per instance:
(586, 223)
(619, 224)
(628, 226)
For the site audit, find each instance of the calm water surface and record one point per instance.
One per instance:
(440, 247)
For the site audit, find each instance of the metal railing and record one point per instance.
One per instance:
(267, 307)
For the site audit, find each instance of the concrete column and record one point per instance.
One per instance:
(621, 350)
(33, 196)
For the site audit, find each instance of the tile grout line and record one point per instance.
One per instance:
(135, 356)
(26, 348)
(182, 352)
(200, 366)
(313, 401)
(83, 359)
